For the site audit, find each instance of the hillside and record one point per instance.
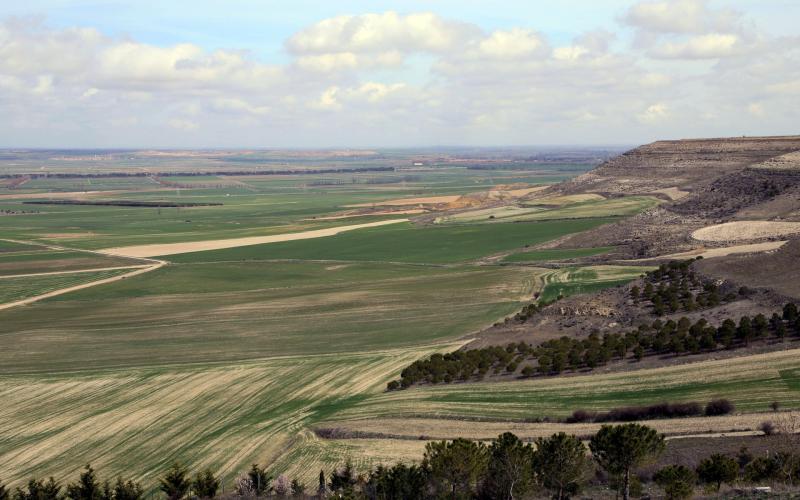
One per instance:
(703, 182)
(735, 201)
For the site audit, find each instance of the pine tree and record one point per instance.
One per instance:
(619, 449)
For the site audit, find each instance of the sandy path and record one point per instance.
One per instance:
(75, 271)
(200, 246)
(708, 253)
(135, 272)
(746, 230)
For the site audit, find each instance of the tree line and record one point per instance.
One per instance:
(560, 466)
(555, 356)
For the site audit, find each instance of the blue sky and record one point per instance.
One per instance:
(376, 73)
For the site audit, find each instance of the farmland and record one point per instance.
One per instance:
(227, 357)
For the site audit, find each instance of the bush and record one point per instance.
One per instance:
(581, 416)
(676, 480)
(767, 427)
(719, 407)
(718, 469)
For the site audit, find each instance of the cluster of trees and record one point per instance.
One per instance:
(175, 484)
(554, 356)
(508, 468)
(559, 467)
(661, 410)
(676, 287)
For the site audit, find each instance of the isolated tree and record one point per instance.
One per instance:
(37, 489)
(87, 487)
(745, 330)
(560, 464)
(205, 485)
(508, 474)
(620, 448)
(259, 479)
(127, 490)
(175, 483)
(322, 489)
(718, 469)
(790, 312)
(677, 481)
(455, 467)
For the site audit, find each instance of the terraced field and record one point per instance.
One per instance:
(572, 280)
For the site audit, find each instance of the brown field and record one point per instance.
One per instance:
(199, 246)
(425, 200)
(746, 230)
(370, 214)
(708, 253)
(433, 429)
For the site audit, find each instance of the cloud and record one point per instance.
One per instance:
(711, 46)
(512, 44)
(183, 124)
(681, 16)
(379, 33)
(654, 113)
(402, 79)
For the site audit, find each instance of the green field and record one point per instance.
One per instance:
(555, 254)
(228, 357)
(535, 211)
(232, 311)
(751, 383)
(406, 243)
(13, 289)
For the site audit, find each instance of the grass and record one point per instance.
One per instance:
(226, 358)
(556, 254)
(750, 382)
(223, 416)
(244, 310)
(50, 260)
(13, 289)
(406, 243)
(564, 209)
(574, 280)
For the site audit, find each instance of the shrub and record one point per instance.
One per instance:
(676, 480)
(719, 407)
(767, 427)
(718, 469)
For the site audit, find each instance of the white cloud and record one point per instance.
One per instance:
(512, 44)
(377, 33)
(388, 78)
(183, 124)
(681, 16)
(711, 46)
(654, 113)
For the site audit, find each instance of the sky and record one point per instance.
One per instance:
(366, 74)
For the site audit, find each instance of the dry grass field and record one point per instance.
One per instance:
(746, 230)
